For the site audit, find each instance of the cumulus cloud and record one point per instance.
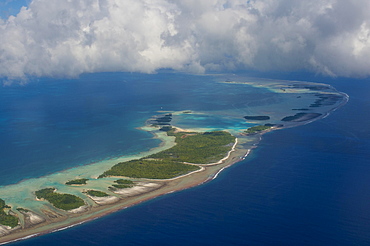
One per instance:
(67, 38)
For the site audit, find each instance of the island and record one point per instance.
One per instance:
(187, 156)
(96, 193)
(300, 117)
(122, 184)
(259, 128)
(258, 117)
(77, 182)
(58, 200)
(6, 218)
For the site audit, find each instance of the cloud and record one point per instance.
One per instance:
(65, 38)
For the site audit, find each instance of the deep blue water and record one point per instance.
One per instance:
(308, 185)
(53, 124)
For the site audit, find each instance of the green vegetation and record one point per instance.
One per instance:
(257, 117)
(198, 148)
(59, 200)
(152, 169)
(191, 147)
(166, 128)
(301, 109)
(257, 129)
(96, 193)
(121, 186)
(294, 117)
(299, 117)
(163, 120)
(325, 100)
(77, 182)
(317, 87)
(123, 183)
(7, 219)
(169, 129)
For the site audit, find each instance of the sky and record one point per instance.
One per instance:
(11, 7)
(65, 38)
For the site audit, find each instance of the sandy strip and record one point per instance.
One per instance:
(143, 191)
(104, 200)
(178, 129)
(79, 210)
(34, 218)
(59, 220)
(4, 230)
(139, 188)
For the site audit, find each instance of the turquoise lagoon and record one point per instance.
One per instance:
(53, 131)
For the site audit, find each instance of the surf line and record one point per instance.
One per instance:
(19, 239)
(216, 175)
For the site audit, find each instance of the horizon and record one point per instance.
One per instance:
(92, 88)
(49, 38)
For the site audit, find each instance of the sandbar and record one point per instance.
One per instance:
(143, 190)
(40, 217)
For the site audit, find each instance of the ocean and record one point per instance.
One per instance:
(307, 185)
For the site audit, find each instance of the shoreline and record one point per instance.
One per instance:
(63, 220)
(207, 173)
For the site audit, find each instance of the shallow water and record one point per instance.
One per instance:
(114, 104)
